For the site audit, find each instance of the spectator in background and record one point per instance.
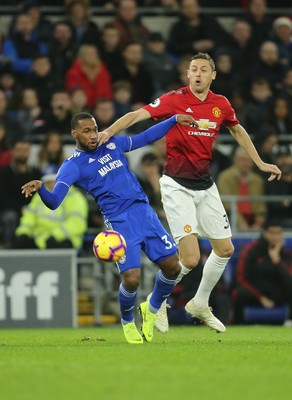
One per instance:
(51, 153)
(266, 142)
(22, 46)
(279, 116)
(78, 100)
(59, 117)
(43, 80)
(109, 47)
(259, 20)
(182, 67)
(12, 90)
(78, 15)
(149, 175)
(194, 31)
(104, 113)
(282, 29)
(238, 103)
(42, 28)
(90, 72)
(30, 115)
(159, 63)
(42, 228)
(264, 273)
(62, 48)
(133, 70)
(13, 129)
(268, 66)
(171, 5)
(241, 46)
(220, 161)
(150, 171)
(240, 180)
(258, 104)
(122, 97)
(286, 87)
(226, 82)
(5, 149)
(12, 177)
(129, 23)
(282, 210)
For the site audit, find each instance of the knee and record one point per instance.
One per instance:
(190, 261)
(173, 269)
(170, 266)
(226, 251)
(131, 282)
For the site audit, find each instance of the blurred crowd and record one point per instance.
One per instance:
(52, 68)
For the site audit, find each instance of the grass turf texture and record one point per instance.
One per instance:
(188, 363)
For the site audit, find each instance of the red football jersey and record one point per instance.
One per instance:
(189, 149)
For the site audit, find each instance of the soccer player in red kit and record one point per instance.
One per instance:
(190, 197)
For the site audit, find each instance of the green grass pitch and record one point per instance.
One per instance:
(188, 363)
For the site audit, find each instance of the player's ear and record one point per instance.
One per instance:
(73, 133)
(214, 74)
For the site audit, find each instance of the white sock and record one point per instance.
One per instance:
(184, 271)
(213, 269)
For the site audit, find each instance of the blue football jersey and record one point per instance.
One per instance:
(105, 174)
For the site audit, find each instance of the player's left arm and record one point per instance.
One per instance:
(51, 199)
(67, 175)
(244, 140)
(159, 130)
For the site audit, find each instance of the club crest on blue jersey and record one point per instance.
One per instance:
(111, 146)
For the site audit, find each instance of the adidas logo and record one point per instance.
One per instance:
(91, 160)
(189, 110)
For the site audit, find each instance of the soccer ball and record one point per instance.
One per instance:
(109, 246)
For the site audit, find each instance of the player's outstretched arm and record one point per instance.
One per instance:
(243, 139)
(159, 130)
(124, 122)
(51, 199)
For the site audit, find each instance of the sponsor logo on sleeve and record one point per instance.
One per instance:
(155, 103)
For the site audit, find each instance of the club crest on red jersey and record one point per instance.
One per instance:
(216, 112)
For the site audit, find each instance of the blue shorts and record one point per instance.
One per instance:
(142, 230)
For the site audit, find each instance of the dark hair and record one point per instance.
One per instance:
(271, 222)
(79, 117)
(204, 56)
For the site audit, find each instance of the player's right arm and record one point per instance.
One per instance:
(124, 122)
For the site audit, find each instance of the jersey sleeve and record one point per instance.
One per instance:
(163, 106)
(149, 136)
(230, 118)
(67, 175)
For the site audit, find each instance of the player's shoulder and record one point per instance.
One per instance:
(77, 154)
(219, 98)
(178, 92)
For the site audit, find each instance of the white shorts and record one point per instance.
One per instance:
(194, 211)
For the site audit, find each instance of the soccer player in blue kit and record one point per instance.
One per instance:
(103, 172)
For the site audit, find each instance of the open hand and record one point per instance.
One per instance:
(29, 188)
(273, 169)
(103, 137)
